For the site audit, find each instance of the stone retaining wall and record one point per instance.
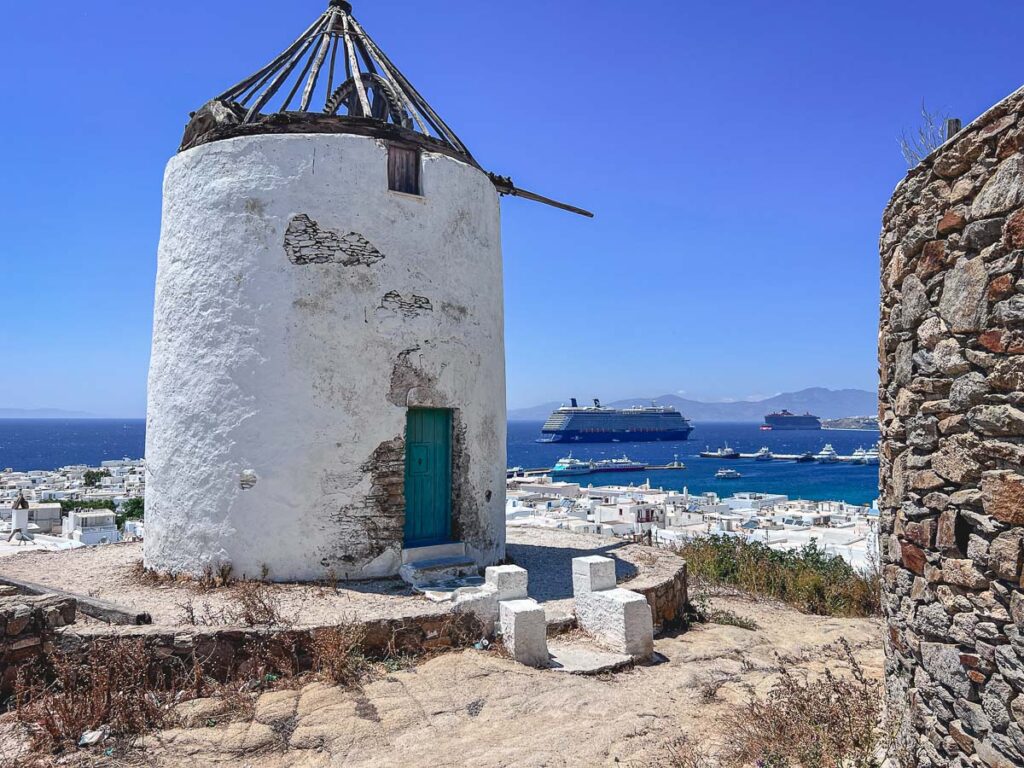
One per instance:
(27, 625)
(667, 597)
(952, 410)
(228, 652)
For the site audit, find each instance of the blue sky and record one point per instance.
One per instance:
(738, 155)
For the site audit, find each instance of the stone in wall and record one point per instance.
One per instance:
(952, 405)
(306, 242)
(27, 624)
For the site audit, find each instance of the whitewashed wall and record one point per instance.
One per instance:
(299, 375)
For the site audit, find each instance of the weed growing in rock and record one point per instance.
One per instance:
(337, 654)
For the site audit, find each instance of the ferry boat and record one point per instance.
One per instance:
(784, 420)
(827, 455)
(728, 474)
(764, 454)
(617, 465)
(859, 456)
(571, 466)
(871, 456)
(725, 452)
(598, 424)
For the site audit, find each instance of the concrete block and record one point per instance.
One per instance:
(618, 619)
(592, 574)
(481, 601)
(524, 631)
(510, 580)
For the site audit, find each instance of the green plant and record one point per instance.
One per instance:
(808, 578)
(133, 509)
(67, 505)
(728, 618)
(92, 477)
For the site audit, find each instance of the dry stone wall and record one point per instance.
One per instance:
(952, 410)
(27, 625)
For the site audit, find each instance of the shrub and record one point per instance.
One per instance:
(808, 578)
(832, 722)
(66, 695)
(337, 654)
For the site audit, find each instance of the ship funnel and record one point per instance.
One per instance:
(573, 401)
(597, 403)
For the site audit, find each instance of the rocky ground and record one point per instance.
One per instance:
(478, 708)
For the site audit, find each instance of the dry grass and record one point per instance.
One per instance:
(337, 654)
(251, 604)
(681, 752)
(832, 722)
(64, 696)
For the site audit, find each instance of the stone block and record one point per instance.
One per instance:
(482, 602)
(592, 574)
(524, 631)
(511, 581)
(618, 619)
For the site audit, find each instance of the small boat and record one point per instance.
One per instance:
(805, 458)
(514, 472)
(764, 454)
(728, 474)
(571, 466)
(827, 455)
(724, 452)
(766, 427)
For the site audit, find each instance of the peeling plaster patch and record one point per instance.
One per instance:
(248, 479)
(466, 521)
(411, 307)
(306, 242)
(371, 526)
(406, 377)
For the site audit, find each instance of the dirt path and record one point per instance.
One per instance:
(475, 708)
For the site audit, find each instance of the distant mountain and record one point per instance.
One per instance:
(43, 413)
(825, 403)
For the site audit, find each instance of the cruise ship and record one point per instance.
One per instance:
(598, 424)
(783, 420)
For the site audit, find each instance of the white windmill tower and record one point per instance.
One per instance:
(327, 385)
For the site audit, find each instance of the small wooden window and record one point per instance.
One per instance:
(404, 170)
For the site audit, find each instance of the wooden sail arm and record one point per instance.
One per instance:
(505, 186)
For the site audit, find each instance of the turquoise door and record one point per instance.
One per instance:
(428, 477)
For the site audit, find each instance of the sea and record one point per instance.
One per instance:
(27, 444)
(852, 483)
